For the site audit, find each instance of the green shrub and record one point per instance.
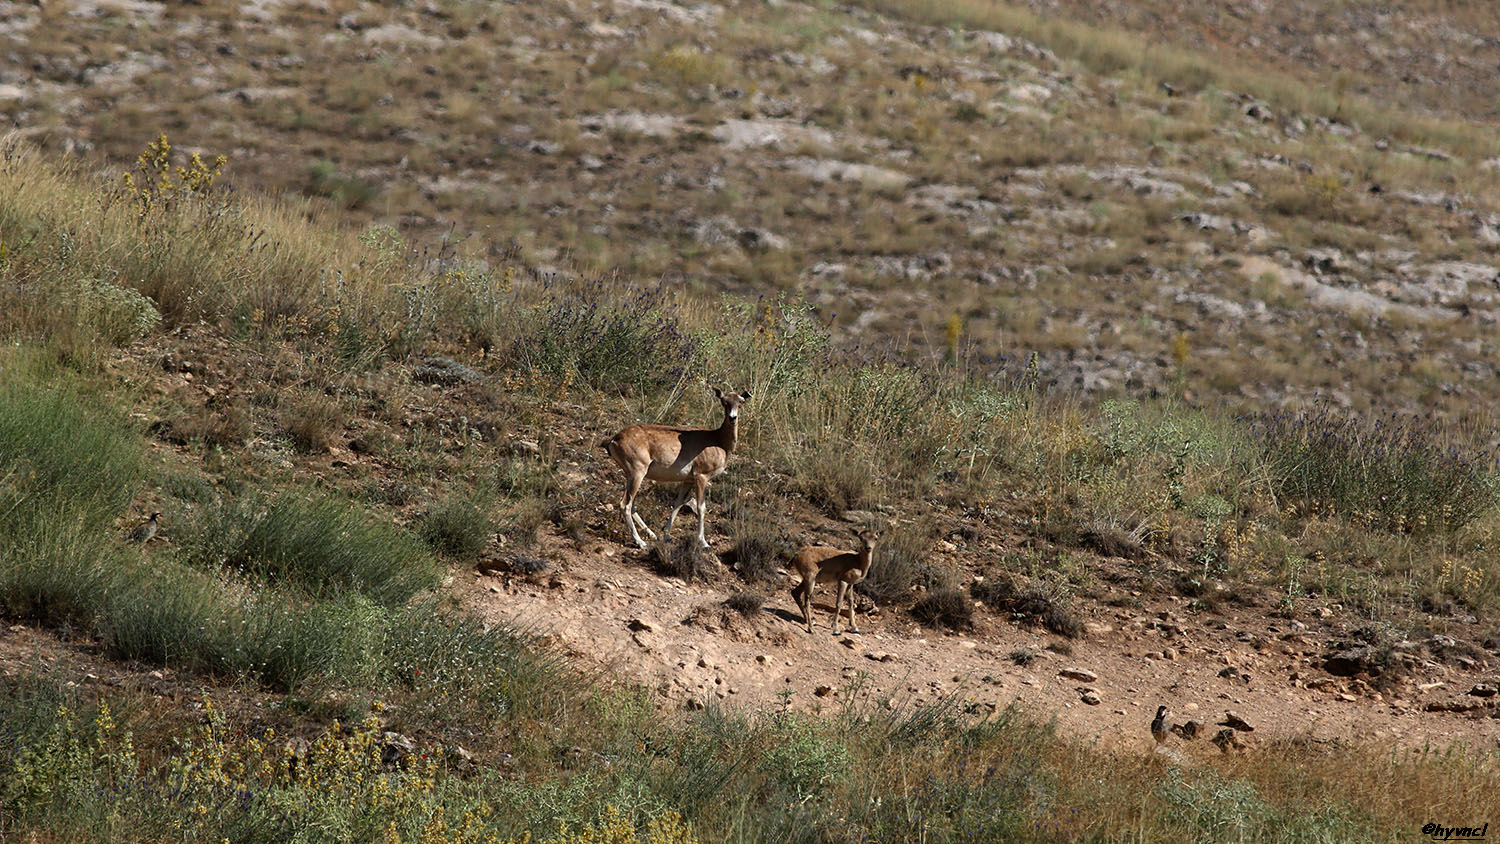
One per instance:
(901, 561)
(460, 667)
(803, 759)
(456, 526)
(1398, 473)
(182, 618)
(321, 545)
(630, 341)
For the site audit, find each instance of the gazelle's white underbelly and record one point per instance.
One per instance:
(674, 472)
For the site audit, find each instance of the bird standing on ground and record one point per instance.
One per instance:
(144, 532)
(1159, 730)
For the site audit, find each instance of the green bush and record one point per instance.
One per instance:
(456, 526)
(320, 545)
(617, 342)
(1397, 473)
(461, 667)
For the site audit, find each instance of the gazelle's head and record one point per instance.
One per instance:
(731, 401)
(1161, 711)
(867, 538)
(155, 516)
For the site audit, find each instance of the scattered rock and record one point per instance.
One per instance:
(1090, 697)
(642, 625)
(1236, 675)
(760, 240)
(1076, 673)
(525, 448)
(446, 372)
(1227, 740)
(395, 749)
(1235, 722)
(633, 123)
(1484, 690)
(1458, 705)
(1188, 730)
(1352, 661)
(823, 691)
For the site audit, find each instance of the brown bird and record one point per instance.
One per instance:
(1159, 729)
(146, 530)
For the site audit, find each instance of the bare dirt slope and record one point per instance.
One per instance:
(605, 606)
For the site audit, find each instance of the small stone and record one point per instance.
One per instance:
(823, 691)
(1347, 698)
(1484, 690)
(1235, 722)
(396, 748)
(1076, 673)
(640, 624)
(1188, 729)
(1169, 653)
(1090, 697)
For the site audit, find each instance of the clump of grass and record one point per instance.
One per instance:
(683, 559)
(615, 343)
(318, 544)
(183, 618)
(1396, 474)
(760, 544)
(945, 607)
(68, 468)
(326, 179)
(524, 520)
(901, 562)
(460, 670)
(1033, 602)
(835, 476)
(312, 423)
(747, 604)
(215, 427)
(456, 526)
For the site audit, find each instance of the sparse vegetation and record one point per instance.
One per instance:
(456, 526)
(947, 607)
(953, 159)
(748, 604)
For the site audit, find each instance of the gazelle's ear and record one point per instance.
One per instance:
(745, 396)
(718, 393)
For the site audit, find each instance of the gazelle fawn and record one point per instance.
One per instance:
(821, 564)
(688, 456)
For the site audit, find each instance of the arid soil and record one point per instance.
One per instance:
(606, 606)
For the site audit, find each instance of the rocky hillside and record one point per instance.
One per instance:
(985, 181)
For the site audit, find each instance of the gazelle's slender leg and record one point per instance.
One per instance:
(633, 480)
(838, 603)
(853, 620)
(702, 484)
(676, 508)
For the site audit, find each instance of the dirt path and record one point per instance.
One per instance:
(606, 607)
